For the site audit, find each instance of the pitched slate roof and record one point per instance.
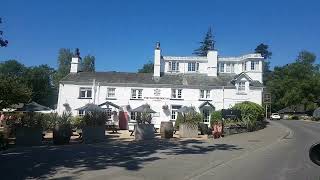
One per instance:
(147, 79)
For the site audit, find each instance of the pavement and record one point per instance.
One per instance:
(279, 151)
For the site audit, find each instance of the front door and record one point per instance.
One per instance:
(206, 116)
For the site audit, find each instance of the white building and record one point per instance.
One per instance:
(206, 83)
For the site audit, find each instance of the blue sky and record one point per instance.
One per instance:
(121, 34)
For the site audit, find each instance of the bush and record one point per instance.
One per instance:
(251, 113)
(144, 118)
(315, 119)
(193, 118)
(30, 119)
(76, 122)
(95, 118)
(294, 117)
(215, 117)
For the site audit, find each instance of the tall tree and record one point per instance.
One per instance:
(12, 68)
(147, 68)
(296, 83)
(205, 45)
(263, 49)
(13, 91)
(88, 64)
(3, 42)
(64, 64)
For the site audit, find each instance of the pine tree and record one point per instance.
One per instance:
(206, 45)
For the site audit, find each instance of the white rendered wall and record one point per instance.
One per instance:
(220, 98)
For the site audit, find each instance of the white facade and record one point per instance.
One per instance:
(165, 97)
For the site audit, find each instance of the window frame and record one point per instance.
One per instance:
(174, 66)
(221, 67)
(136, 93)
(174, 112)
(205, 94)
(108, 92)
(85, 90)
(81, 113)
(176, 93)
(193, 66)
(241, 87)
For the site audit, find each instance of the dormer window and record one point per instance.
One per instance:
(193, 66)
(173, 66)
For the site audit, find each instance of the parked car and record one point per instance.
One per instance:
(275, 116)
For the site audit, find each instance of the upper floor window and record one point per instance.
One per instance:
(254, 65)
(111, 92)
(204, 94)
(242, 86)
(136, 93)
(176, 93)
(173, 66)
(244, 66)
(221, 67)
(193, 66)
(85, 92)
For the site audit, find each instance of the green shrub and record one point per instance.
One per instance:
(76, 122)
(294, 117)
(95, 118)
(250, 111)
(315, 119)
(188, 118)
(30, 119)
(215, 117)
(144, 118)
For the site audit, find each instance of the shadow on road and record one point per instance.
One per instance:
(41, 162)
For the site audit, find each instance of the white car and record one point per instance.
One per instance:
(275, 116)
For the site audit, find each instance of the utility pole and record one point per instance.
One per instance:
(267, 101)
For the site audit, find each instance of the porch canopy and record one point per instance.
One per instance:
(90, 107)
(186, 109)
(206, 104)
(33, 107)
(145, 108)
(108, 103)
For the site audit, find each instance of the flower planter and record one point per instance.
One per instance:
(204, 129)
(91, 134)
(187, 130)
(26, 136)
(166, 130)
(144, 131)
(62, 134)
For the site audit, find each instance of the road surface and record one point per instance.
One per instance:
(279, 151)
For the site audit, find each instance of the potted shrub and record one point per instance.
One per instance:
(28, 128)
(144, 129)
(62, 131)
(93, 126)
(188, 124)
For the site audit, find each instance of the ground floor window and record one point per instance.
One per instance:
(174, 112)
(134, 115)
(109, 113)
(81, 113)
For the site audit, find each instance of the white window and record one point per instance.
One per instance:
(244, 66)
(242, 86)
(173, 66)
(136, 93)
(193, 66)
(176, 93)
(81, 113)
(254, 65)
(228, 68)
(111, 92)
(174, 113)
(204, 94)
(109, 112)
(85, 92)
(232, 68)
(221, 67)
(134, 115)
(206, 115)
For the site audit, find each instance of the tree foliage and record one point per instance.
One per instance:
(295, 83)
(64, 64)
(205, 45)
(37, 80)
(3, 42)
(263, 49)
(88, 64)
(147, 68)
(13, 91)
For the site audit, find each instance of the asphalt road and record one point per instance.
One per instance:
(285, 159)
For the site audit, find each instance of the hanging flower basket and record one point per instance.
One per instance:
(165, 107)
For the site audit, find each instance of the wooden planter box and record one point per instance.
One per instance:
(166, 130)
(26, 136)
(93, 134)
(62, 135)
(188, 130)
(144, 131)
